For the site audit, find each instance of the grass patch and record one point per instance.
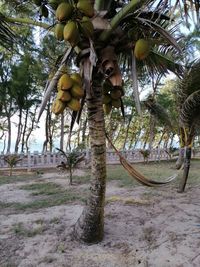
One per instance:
(21, 230)
(61, 198)
(43, 188)
(14, 179)
(152, 170)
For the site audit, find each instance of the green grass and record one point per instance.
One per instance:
(155, 171)
(20, 230)
(14, 179)
(43, 188)
(53, 200)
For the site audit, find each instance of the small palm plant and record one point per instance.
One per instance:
(145, 153)
(72, 159)
(12, 161)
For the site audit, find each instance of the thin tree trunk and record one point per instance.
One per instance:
(186, 169)
(30, 129)
(62, 131)
(46, 131)
(84, 132)
(127, 130)
(19, 132)
(24, 131)
(90, 226)
(9, 135)
(151, 132)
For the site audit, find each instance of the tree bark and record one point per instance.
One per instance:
(90, 226)
(180, 159)
(24, 130)
(187, 159)
(62, 131)
(19, 132)
(9, 135)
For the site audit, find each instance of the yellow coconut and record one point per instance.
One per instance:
(74, 104)
(65, 82)
(64, 11)
(77, 91)
(86, 7)
(142, 49)
(58, 107)
(87, 26)
(71, 32)
(59, 31)
(107, 108)
(76, 77)
(64, 96)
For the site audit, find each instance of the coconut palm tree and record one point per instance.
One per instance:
(118, 25)
(188, 101)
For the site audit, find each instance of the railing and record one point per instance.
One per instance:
(51, 160)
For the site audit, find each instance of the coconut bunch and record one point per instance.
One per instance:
(69, 93)
(73, 21)
(112, 96)
(113, 83)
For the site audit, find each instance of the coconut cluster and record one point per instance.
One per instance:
(112, 97)
(74, 21)
(69, 93)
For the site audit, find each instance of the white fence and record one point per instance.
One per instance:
(51, 160)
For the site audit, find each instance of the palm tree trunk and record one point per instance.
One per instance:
(180, 159)
(90, 226)
(62, 131)
(186, 169)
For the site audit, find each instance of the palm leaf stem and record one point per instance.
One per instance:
(28, 22)
(132, 6)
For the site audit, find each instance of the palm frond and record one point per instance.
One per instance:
(190, 82)
(190, 112)
(7, 37)
(158, 111)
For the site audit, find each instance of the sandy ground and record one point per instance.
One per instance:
(143, 227)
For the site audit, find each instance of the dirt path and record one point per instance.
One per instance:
(143, 227)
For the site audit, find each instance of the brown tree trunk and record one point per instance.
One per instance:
(180, 159)
(184, 178)
(19, 132)
(62, 131)
(90, 226)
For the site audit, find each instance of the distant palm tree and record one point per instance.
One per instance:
(188, 101)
